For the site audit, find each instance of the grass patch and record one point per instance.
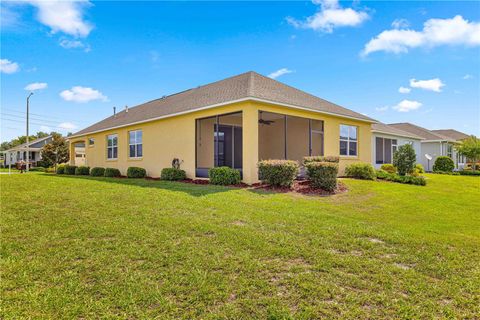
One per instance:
(85, 247)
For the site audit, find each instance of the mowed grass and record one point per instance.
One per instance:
(81, 247)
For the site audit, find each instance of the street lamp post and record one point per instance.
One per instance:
(28, 149)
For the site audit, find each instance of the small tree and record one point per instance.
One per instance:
(56, 151)
(404, 159)
(470, 148)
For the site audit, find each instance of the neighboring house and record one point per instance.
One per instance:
(234, 122)
(433, 144)
(385, 141)
(19, 153)
(458, 137)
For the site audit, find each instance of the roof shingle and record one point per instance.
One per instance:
(452, 134)
(385, 128)
(250, 85)
(419, 131)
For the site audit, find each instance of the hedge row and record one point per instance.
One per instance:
(383, 175)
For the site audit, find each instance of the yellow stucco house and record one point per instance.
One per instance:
(234, 122)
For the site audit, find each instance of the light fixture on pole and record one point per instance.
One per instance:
(28, 149)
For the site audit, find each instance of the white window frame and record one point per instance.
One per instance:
(136, 143)
(111, 137)
(348, 141)
(391, 149)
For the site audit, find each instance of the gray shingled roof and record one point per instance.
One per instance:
(30, 143)
(250, 85)
(419, 131)
(385, 128)
(452, 134)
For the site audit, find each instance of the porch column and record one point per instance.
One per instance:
(71, 148)
(250, 144)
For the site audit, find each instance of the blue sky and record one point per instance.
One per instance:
(356, 54)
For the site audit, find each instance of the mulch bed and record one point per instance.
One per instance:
(302, 187)
(299, 186)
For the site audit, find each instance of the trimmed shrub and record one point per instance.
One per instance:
(82, 171)
(360, 171)
(136, 172)
(415, 172)
(50, 170)
(70, 169)
(97, 172)
(383, 175)
(278, 172)
(224, 176)
(321, 159)
(404, 159)
(323, 174)
(61, 169)
(444, 164)
(112, 172)
(420, 168)
(38, 169)
(469, 172)
(42, 163)
(173, 174)
(389, 168)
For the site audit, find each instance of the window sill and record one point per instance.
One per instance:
(112, 160)
(348, 157)
(135, 159)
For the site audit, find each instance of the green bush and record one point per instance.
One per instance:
(469, 172)
(383, 175)
(97, 172)
(70, 169)
(61, 169)
(415, 172)
(82, 171)
(389, 168)
(420, 168)
(43, 164)
(444, 164)
(404, 159)
(224, 176)
(278, 172)
(323, 174)
(112, 172)
(136, 172)
(173, 174)
(321, 159)
(38, 169)
(360, 171)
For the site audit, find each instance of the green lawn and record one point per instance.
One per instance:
(80, 247)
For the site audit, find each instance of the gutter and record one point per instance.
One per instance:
(399, 135)
(219, 105)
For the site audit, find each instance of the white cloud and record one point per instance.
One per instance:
(82, 94)
(467, 76)
(407, 105)
(36, 86)
(404, 90)
(74, 44)
(279, 73)
(64, 16)
(382, 109)
(400, 24)
(330, 16)
(436, 32)
(67, 126)
(431, 85)
(7, 66)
